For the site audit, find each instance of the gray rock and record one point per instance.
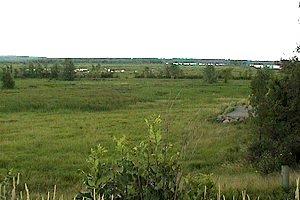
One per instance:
(240, 113)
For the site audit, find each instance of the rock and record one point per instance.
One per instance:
(239, 114)
(226, 121)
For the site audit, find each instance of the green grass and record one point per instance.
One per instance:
(48, 127)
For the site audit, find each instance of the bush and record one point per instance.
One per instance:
(146, 171)
(226, 74)
(209, 74)
(7, 79)
(69, 73)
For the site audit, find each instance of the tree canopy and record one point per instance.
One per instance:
(276, 117)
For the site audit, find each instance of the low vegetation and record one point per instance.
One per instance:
(48, 125)
(146, 171)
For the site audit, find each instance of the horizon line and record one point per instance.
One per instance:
(159, 58)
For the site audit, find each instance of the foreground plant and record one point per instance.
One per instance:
(146, 171)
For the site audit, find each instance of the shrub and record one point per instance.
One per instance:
(209, 74)
(173, 71)
(146, 171)
(226, 74)
(7, 79)
(69, 73)
(54, 73)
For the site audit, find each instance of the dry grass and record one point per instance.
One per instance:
(15, 194)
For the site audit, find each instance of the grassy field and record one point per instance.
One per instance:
(48, 127)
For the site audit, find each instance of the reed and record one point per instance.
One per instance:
(14, 194)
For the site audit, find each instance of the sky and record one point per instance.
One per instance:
(231, 29)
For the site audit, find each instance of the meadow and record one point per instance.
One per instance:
(48, 127)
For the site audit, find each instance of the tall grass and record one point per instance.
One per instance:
(48, 127)
(14, 191)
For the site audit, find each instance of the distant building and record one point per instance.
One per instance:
(269, 66)
(81, 70)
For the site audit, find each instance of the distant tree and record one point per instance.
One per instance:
(7, 78)
(173, 71)
(54, 71)
(31, 70)
(93, 68)
(16, 72)
(147, 73)
(69, 73)
(247, 75)
(226, 74)
(98, 67)
(38, 70)
(209, 74)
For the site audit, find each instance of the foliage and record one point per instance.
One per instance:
(7, 78)
(35, 70)
(276, 115)
(209, 74)
(69, 73)
(147, 73)
(259, 99)
(226, 74)
(54, 71)
(102, 108)
(146, 171)
(173, 71)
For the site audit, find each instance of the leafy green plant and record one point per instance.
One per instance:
(146, 171)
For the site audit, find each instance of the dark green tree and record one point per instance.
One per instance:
(276, 117)
(54, 73)
(69, 73)
(16, 73)
(147, 73)
(173, 71)
(31, 71)
(226, 74)
(209, 74)
(7, 78)
(38, 71)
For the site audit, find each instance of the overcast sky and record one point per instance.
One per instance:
(229, 29)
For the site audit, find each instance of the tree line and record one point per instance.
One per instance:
(66, 71)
